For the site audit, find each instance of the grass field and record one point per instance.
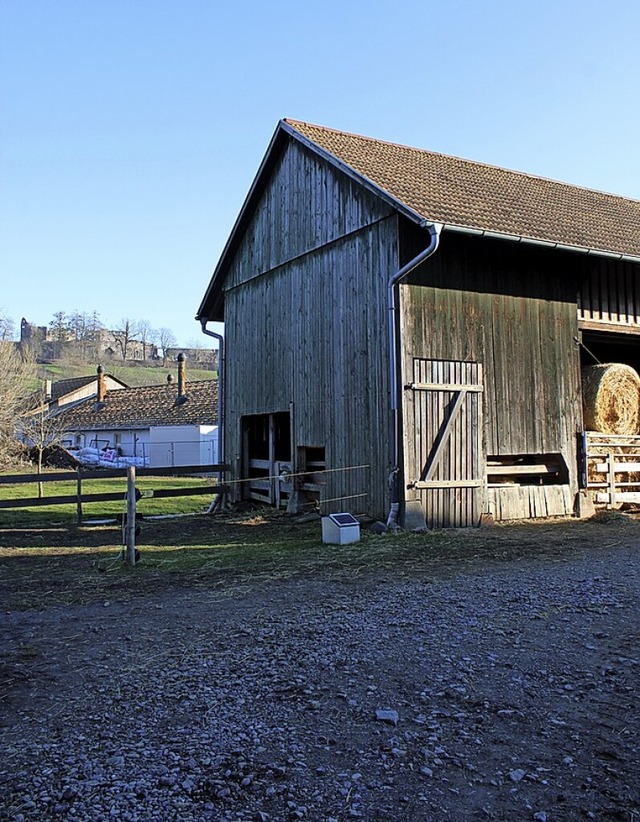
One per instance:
(133, 376)
(42, 515)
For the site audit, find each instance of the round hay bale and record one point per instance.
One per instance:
(611, 398)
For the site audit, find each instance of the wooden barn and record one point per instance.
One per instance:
(404, 330)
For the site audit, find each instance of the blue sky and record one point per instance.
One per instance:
(130, 131)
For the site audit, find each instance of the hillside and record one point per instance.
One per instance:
(132, 375)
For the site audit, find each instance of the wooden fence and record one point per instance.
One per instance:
(611, 468)
(79, 475)
(131, 496)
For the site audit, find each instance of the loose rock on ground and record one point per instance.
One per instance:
(502, 690)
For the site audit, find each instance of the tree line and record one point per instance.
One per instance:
(84, 335)
(87, 327)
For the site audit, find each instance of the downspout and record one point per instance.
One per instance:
(394, 361)
(203, 323)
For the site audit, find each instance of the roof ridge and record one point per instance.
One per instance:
(164, 384)
(457, 158)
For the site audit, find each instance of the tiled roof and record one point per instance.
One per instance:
(458, 192)
(61, 388)
(146, 406)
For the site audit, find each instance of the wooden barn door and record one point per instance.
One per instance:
(443, 443)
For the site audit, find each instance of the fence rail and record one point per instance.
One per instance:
(79, 475)
(107, 473)
(113, 496)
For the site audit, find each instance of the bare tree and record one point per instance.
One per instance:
(201, 354)
(167, 339)
(123, 335)
(17, 375)
(39, 429)
(7, 326)
(147, 335)
(59, 326)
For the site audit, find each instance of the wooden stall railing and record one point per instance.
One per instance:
(611, 468)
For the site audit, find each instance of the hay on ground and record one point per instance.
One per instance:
(611, 398)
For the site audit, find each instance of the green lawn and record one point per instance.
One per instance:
(66, 514)
(133, 376)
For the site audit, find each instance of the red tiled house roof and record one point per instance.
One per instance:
(145, 407)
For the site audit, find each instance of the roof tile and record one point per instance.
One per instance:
(451, 190)
(146, 406)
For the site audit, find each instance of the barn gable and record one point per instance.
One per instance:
(305, 205)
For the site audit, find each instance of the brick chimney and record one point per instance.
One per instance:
(169, 379)
(102, 387)
(182, 379)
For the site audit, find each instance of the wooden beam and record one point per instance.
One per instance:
(444, 386)
(618, 467)
(534, 470)
(110, 473)
(444, 436)
(131, 515)
(30, 502)
(603, 325)
(424, 484)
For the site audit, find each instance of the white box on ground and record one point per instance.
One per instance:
(340, 529)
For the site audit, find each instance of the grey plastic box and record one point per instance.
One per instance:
(340, 529)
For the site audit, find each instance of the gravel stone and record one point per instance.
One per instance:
(514, 667)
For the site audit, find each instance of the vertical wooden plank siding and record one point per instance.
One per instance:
(609, 296)
(445, 455)
(305, 319)
(514, 311)
(307, 205)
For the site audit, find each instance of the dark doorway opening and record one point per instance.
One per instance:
(266, 458)
(607, 347)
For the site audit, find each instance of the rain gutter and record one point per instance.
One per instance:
(203, 324)
(394, 359)
(520, 238)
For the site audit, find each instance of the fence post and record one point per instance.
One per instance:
(611, 477)
(131, 515)
(79, 495)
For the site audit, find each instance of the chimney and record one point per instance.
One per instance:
(182, 375)
(169, 379)
(102, 388)
(182, 379)
(47, 389)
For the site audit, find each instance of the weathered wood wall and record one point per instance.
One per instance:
(306, 329)
(305, 321)
(513, 309)
(609, 297)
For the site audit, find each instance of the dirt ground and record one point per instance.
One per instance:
(488, 674)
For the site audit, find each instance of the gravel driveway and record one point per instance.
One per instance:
(502, 689)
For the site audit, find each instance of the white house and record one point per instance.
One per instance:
(155, 426)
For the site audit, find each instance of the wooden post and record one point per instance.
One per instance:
(611, 477)
(79, 495)
(131, 515)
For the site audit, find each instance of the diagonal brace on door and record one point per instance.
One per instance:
(444, 434)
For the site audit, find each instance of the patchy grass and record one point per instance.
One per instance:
(60, 566)
(232, 553)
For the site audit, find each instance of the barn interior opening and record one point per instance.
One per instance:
(604, 347)
(266, 458)
(526, 469)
